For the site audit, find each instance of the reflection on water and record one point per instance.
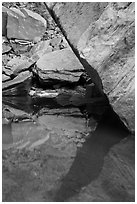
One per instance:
(29, 104)
(23, 134)
(22, 103)
(14, 132)
(7, 137)
(90, 158)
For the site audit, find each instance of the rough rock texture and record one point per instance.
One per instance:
(76, 17)
(15, 115)
(23, 24)
(18, 64)
(60, 65)
(40, 49)
(5, 78)
(5, 48)
(44, 47)
(21, 78)
(108, 47)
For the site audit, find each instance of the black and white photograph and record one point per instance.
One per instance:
(68, 101)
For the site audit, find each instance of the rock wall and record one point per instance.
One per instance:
(104, 35)
(76, 17)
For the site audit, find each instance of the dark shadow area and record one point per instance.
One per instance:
(90, 158)
(29, 104)
(4, 23)
(18, 96)
(33, 105)
(51, 83)
(88, 68)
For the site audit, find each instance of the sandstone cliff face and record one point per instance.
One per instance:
(108, 46)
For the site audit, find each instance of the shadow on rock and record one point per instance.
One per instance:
(90, 158)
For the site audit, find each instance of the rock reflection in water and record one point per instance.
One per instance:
(23, 134)
(7, 137)
(29, 104)
(23, 103)
(89, 159)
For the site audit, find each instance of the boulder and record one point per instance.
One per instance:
(34, 15)
(105, 43)
(14, 113)
(19, 64)
(5, 48)
(39, 49)
(108, 46)
(23, 24)
(21, 78)
(75, 17)
(44, 47)
(5, 77)
(61, 65)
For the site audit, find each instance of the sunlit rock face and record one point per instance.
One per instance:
(107, 44)
(22, 24)
(60, 65)
(75, 18)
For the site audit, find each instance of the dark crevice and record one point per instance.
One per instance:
(51, 83)
(88, 68)
(90, 71)
(89, 159)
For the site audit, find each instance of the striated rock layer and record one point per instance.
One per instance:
(61, 65)
(108, 47)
